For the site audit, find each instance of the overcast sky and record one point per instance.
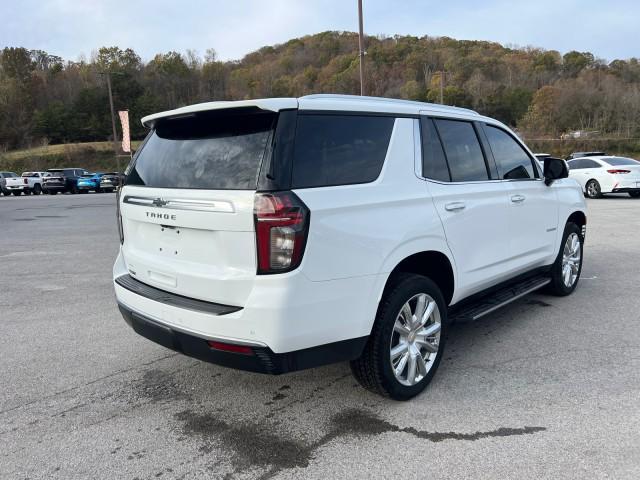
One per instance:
(68, 28)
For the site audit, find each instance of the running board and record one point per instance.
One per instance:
(496, 300)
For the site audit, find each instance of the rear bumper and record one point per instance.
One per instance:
(284, 313)
(13, 188)
(261, 359)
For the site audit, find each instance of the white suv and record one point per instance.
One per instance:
(280, 234)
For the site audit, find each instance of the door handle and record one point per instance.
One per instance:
(517, 198)
(454, 206)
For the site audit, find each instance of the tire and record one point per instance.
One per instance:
(558, 285)
(634, 194)
(16, 193)
(37, 189)
(75, 190)
(592, 189)
(374, 369)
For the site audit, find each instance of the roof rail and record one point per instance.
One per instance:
(425, 105)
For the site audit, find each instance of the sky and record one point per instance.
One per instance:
(70, 28)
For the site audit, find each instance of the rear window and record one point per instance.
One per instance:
(617, 161)
(464, 155)
(211, 150)
(339, 149)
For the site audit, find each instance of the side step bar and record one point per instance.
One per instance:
(474, 311)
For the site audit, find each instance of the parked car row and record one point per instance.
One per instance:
(599, 173)
(58, 180)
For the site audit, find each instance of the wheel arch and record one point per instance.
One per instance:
(433, 264)
(579, 218)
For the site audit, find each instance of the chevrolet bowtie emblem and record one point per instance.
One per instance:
(158, 202)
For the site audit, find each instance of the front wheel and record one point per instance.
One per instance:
(634, 194)
(565, 271)
(407, 340)
(593, 189)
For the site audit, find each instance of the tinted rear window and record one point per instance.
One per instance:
(464, 155)
(212, 150)
(339, 149)
(617, 161)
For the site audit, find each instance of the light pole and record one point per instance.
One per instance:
(361, 46)
(113, 118)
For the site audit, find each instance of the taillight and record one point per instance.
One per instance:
(282, 225)
(119, 217)
(618, 171)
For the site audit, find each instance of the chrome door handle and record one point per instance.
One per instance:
(454, 206)
(517, 198)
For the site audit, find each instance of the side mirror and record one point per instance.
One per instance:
(554, 169)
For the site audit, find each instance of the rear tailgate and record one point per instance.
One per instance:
(200, 244)
(187, 205)
(15, 183)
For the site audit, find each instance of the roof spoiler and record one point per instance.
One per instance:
(272, 104)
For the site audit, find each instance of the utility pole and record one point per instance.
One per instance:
(113, 119)
(361, 46)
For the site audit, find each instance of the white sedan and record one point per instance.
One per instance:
(598, 175)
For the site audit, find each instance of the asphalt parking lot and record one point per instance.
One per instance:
(545, 388)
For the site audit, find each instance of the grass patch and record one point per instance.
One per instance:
(92, 156)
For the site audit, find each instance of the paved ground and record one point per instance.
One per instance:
(545, 388)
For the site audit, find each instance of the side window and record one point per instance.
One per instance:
(575, 165)
(512, 160)
(339, 149)
(434, 163)
(462, 148)
(590, 164)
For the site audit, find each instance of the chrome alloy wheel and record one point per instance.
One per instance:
(415, 339)
(571, 260)
(593, 190)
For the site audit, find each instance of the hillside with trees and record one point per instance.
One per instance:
(45, 99)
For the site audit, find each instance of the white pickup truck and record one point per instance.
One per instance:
(10, 183)
(33, 182)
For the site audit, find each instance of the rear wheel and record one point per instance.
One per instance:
(407, 340)
(634, 194)
(566, 270)
(593, 189)
(37, 189)
(16, 193)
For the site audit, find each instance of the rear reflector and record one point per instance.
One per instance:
(231, 347)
